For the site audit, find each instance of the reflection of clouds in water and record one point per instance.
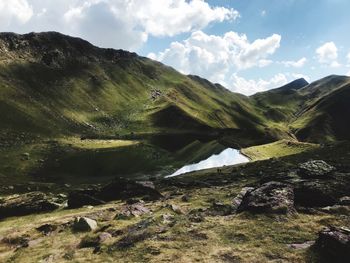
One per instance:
(227, 157)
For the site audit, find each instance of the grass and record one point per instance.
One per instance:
(277, 149)
(241, 237)
(91, 144)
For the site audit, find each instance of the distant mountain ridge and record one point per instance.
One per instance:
(52, 85)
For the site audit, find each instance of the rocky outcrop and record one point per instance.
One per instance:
(238, 199)
(125, 189)
(25, 204)
(272, 197)
(315, 169)
(334, 243)
(133, 210)
(81, 198)
(119, 189)
(315, 194)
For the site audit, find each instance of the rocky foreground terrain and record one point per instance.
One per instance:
(288, 209)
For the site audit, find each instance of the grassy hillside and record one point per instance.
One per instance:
(51, 84)
(328, 118)
(317, 112)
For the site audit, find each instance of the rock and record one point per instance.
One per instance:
(220, 209)
(177, 209)
(84, 224)
(17, 241)
(94, 241)
(334, 243)
(135, 210)
(316, 168)
(102, 237)
(125, 189)
(238, 199)
(47, 229)
(336, 209)
(168, 219)
(81, 198)
(25, 204)
(185, 198)
(272, 197)
(25, 156)
(345, 200)
(304, 245)
(315, 194)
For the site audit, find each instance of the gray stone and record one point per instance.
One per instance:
(315, 168)
(272, 197)
(25, 204)
(334, 243)
(345, 200)
(84, 224)
(238, 199)
(134, 210)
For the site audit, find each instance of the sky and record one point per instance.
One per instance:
(246, 45)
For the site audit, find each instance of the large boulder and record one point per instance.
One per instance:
(25, 204)
(236, 202)
(315, 194)
(118, 189)
(272, 197)
(81, 198)
(315, 169)
(84, 224)
(125, 189)
(334, 244)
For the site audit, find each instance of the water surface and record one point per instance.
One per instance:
(227, 157)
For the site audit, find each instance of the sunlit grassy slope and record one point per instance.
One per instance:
(54, 84)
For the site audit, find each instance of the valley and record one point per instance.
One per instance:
(107, 156)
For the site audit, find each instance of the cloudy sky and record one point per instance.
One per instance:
(246, 45)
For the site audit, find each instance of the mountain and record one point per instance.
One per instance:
(52, 84)
(316, 112)
(326, 113)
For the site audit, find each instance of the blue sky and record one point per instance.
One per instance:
(246, 45)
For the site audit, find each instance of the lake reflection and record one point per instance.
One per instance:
(227, 157)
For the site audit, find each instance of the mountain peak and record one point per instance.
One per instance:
(53, 48)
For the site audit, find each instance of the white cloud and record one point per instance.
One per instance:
(112, 23)
(348, 58)
(250, 86)
(328, 54)
(214, 56)
(348, 74)
(15, 11)
(295, 64)
(171, 17)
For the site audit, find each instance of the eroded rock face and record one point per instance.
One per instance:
(272, 197)
(25, 204)
(315, 168)
(334, 243)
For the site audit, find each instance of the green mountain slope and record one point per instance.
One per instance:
(328, 119)
(52, 84)
(315, 112)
